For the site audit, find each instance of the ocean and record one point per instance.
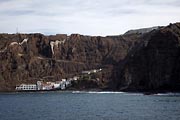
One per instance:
(89, 106)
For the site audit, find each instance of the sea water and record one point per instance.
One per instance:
(89, 106)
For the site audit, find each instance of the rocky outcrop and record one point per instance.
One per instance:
(141, 60)
(153, 64)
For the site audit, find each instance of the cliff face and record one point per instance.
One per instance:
(139, 61)
(153, 64)
(31, 57)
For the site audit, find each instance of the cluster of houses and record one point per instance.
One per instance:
(41, 85)
(57, 85)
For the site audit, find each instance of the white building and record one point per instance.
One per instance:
(68, 83)
(27, 87)
(63, 86)
(45, 85)
(56, 85)
(75, 78)
(39, 85)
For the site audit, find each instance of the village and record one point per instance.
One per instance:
(57, 85)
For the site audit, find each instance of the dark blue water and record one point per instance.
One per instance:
(88, 106)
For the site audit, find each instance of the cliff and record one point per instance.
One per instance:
(153, 64)
(31, 57)
(134, 61)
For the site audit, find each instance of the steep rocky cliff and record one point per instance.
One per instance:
(153, 64)
(135, 61)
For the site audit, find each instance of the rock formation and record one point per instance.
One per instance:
(134, 61)
(153, 64)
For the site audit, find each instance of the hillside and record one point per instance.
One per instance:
(133, 62)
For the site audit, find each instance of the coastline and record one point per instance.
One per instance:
(97, 91)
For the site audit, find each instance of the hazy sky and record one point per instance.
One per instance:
(90, 17)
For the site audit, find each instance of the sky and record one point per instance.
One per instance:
(87, 17)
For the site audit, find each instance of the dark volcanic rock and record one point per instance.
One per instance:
(143, 60)
(153, 64)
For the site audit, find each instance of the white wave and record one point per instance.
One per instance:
(76, 91)
(167, 94)
(98, 92)
(137, 94)
(104, 92)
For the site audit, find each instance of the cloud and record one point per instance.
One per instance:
(16, 12)
(93, 17)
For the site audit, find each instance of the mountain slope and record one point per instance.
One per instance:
(137, 61)
(31, 57)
